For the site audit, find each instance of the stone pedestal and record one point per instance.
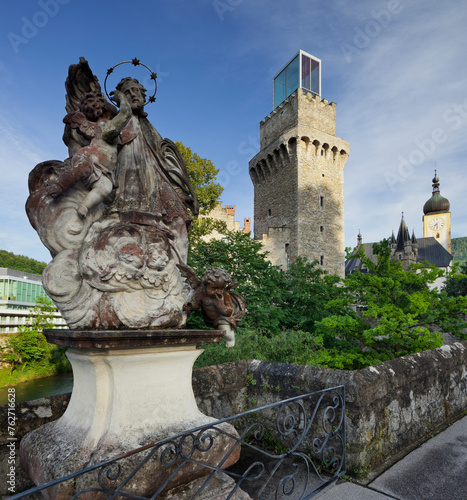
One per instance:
(131, 388)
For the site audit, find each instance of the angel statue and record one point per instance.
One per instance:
(93, 164)
(222, 308)
(115, 214)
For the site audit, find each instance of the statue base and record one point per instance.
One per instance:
(131, 389)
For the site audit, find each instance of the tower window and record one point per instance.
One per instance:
(321, 260)
(321, 228)
(269, 211)
(321, 201)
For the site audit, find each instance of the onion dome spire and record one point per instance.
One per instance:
(436, 203)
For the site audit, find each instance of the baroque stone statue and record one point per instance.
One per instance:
(115, 214)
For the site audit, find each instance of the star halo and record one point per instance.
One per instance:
(135, 62)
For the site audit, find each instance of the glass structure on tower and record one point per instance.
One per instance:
(303, 71)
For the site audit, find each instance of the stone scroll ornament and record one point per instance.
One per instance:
(115, 214)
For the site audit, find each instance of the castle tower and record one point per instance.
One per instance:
(437, 218)
(298, 175)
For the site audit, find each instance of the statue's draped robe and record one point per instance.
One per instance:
(151, 190)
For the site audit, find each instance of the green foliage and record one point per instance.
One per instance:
(203, 176)
(456, 283)
(28, 346)
(459, 249)
(21, 263)
(296, 347)
(400, 313)
(311, 294)
(258, 281)
(276, 300)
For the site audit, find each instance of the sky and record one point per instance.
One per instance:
(396, 69)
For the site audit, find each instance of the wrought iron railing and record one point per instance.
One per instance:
(290, 449)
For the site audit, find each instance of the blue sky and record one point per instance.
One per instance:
(396, 69)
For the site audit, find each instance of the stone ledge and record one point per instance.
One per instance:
(124, 339)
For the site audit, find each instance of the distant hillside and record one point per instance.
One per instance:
(21, 263)
(459, 249)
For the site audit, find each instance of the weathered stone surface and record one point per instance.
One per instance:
(54, 451)
(114, 215)
(299, 183)
(391, 407)
(122, 400)
(28, 416)
(220, 486)
(123, 339)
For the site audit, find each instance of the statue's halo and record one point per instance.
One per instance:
(135, 62)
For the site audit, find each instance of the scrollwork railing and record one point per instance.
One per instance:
(291, 449)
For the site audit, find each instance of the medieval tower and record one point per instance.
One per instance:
(298, 175)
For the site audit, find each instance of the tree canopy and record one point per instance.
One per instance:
(456, 283)
(203, 176)
(400, 313)
(305, 315)
(21, 263)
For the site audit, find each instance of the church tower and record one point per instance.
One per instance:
(298, 175)
(437, 218)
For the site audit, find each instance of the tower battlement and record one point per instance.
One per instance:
(300, 108)
(298, 174)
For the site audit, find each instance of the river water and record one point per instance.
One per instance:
(39, 388)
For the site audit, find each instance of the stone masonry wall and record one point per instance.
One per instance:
(390, 407)
(299, 182)
(299, 108)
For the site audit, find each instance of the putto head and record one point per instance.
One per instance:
(93, 105)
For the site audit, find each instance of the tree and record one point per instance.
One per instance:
(276, 300)
(400, 313)
(259, 283)
(21, 263)
(28, 345)
(203, 176)
(456, 283)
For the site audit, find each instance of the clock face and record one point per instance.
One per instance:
(437, 223)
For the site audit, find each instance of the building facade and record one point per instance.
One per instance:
(227, 215)
(434, 247)
(18, 292)
(298, 177)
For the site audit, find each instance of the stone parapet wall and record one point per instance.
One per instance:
(300, 107)
(390, 407)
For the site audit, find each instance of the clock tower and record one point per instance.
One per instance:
(437, 218)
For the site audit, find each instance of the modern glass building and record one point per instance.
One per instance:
(18, 292)
(303, 71)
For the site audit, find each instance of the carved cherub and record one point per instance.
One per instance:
(222, 308)
(94, 163)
